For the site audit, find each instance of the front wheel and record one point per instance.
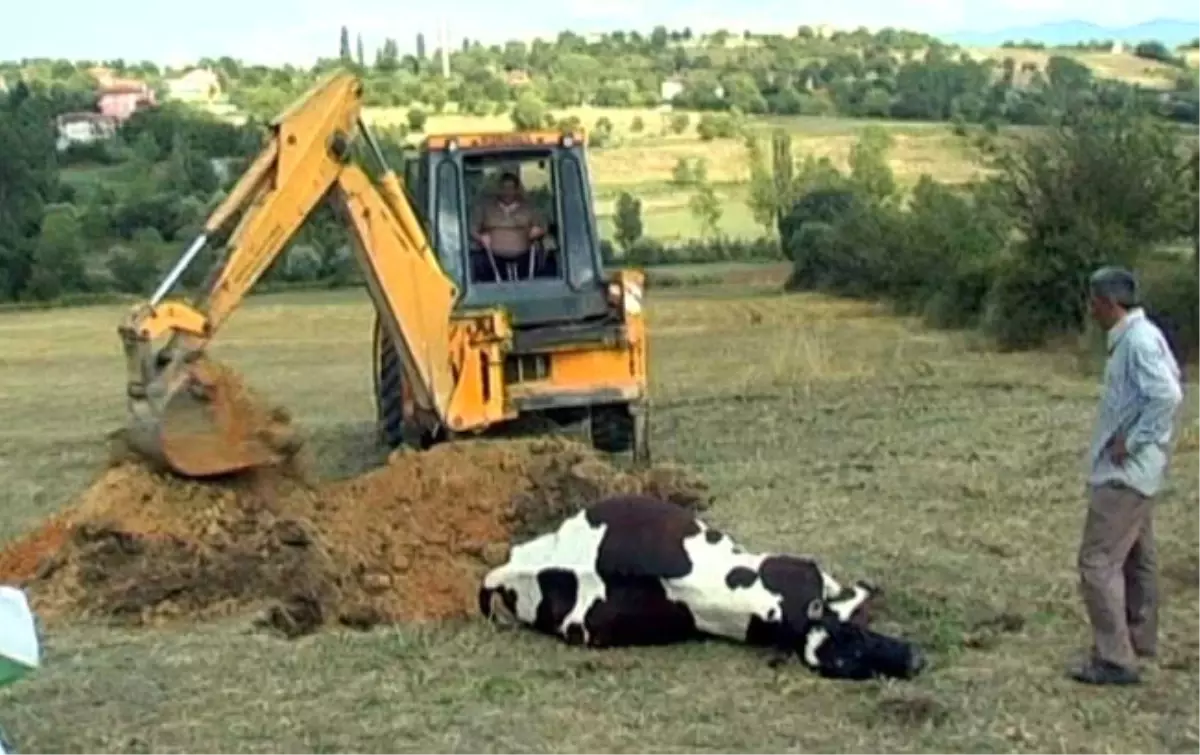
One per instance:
(389, 389)
(617, 428)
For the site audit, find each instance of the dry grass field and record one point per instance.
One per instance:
(949, 474)
(643, 163)
(650, 156)
(1122, 66)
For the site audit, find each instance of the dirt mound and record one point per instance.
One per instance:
(406, 542)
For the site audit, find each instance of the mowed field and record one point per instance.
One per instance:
(949, 475)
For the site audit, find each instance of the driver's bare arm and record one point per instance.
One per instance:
(477, 218)
(537, 225)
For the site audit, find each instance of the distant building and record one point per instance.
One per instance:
(199, 86)
(119, 97)
(516, 77)
(669, 90)
(83, 128)
(122, 100)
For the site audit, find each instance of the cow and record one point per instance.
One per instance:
(635, 570)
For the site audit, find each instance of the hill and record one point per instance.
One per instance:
(1169, 31)
(1124, 67)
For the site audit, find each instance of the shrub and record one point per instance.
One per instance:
(417, 118)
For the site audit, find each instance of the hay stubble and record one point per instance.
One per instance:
(950, 476)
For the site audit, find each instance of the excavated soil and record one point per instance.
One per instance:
(402, 543)
(231, 428)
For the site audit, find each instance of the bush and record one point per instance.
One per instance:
(637, 125)
(1101, 188)
(680, 123)
(417, 118)
(689, 171)
(949, 239)
(601, 134)
(529, 113)
(716, 126)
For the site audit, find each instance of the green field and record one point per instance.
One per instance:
(949, 475)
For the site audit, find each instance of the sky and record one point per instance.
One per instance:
(299, 31)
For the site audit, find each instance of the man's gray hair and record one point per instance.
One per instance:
(1115, 283)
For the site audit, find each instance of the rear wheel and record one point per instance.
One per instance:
(617, 428)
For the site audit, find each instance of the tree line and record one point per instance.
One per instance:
(1009, 253)
(886, 74)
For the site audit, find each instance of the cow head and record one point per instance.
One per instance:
(838, 644)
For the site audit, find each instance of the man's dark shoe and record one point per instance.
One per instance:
(1097, 671)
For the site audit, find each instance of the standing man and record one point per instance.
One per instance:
(506, 226)
(1128, 461)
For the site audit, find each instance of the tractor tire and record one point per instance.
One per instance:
(613, 428)
(389, 387)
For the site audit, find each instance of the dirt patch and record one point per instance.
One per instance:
(406, 542)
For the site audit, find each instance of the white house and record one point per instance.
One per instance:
(83, 128)
(669, 89)
(199, 85)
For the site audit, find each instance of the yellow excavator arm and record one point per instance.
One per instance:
(306, 160)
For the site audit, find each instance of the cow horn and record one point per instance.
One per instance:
(816, 609)
(501, 616)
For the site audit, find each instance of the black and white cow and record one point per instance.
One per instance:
(636, 570)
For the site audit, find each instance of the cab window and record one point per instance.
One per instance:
(449, 234)
(512, 225)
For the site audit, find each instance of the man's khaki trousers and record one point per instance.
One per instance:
(1117, 572)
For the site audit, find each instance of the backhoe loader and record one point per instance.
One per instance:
(454, 354)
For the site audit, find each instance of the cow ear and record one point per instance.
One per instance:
(816, 609)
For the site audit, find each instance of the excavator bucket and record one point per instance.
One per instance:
(210, 425)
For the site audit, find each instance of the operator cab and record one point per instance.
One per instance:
(456, 182)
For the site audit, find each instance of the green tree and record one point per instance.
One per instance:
(57, 265)
(1101, 188)
(344, 45)
(1189, 215)
(869, 168)
(628, 221)
(388, 58)
(689, 171)
(529, 112)
(417, 118)
(28, 179)
(189, 171)
(762, 199)
(706, 209)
